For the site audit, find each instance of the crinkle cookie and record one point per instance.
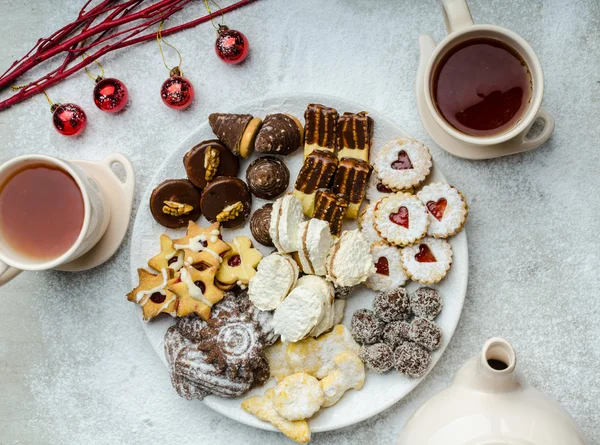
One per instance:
(389, 273)
(427, 261)
(403, 163)
(447, 209)
(401, 219)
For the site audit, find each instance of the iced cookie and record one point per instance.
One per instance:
(315, 243)
(366, 224)
(298, 314)
(412, 360)
(403, 163)
(427, 261)
(316, 173)
(239, 263)
(298, 396)
(401, 219)
(275, 277)
(349, 261)
(389, 273)
(168, 256)
(153, 293)
(447, 208)
(196, 291)
(202, 246)
(283, 227)
(349, 373)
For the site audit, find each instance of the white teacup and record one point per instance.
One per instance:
(460, 29)
(95, 220)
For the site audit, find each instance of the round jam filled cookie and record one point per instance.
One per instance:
(226, 200)
(267, 177)
(377, 189)
(447, 208)
(403, 163)
(389, 273)
(427, 261)
(174, 203)
(401, 219)
(208, 160)
(366, 221)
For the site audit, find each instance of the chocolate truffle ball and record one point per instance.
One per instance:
(174, 203)
(425, 333)
(378, 357)
(259, 225)
(365, 327)
(392, 305)
(410, 359)
(426, 302)
(267, 177)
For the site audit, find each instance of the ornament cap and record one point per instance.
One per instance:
(99, 79)
(222, 28)
(54, 106)
(176, 72)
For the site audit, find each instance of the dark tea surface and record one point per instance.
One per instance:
(41, 211)
(482, 87)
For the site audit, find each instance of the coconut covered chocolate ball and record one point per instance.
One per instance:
(378, 357)
(392, 305)
(425, 333)
(365, 327)
(411, 360)
(426, 302)
(395, 333)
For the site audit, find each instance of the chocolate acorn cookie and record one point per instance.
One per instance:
(236, 131)
(267, 177)
(226, 200)
(280, 134)
(260, 223)
(174, 203)
(209, 160)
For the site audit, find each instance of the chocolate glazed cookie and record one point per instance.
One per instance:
(174, 203)
(226, 200)
(209, 160)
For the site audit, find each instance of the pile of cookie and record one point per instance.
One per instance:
(311, 374)
(390, 339)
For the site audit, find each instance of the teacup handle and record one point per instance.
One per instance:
(456, 15)
(7, 273)
(535, 142)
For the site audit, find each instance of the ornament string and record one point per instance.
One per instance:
(207, 5)
(159, 38)
(20, 87)
(95, 79)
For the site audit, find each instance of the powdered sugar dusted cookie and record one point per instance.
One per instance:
(349, 373)
(403, 163)
(298, 314)
(315, 243)
(389, 273)
(286, 215)
(427, 261)
(327, 293)
(377, 189)
(298, 396)
(349, 262)
(275, 277)
(447, 209)
(366, 222)
(401, 219)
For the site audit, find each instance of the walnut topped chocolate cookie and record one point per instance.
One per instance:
(236, 131)
(226, 200)
(280, 134)
(174, 203)
(209, 160)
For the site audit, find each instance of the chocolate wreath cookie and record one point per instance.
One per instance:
(209, 160)
(267, 177)
(280, 134)
(174, 203)
(226, 200)
(236, 131)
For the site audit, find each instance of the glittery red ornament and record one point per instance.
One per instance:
(177, 92)
(231, 46)
(68, 119)
(110, 95)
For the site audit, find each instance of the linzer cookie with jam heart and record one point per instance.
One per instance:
(351, 180)
(447, 208)
(320, 129)
(354, 136)
(237, 131)
(209, 160)
(377, 189)
(401, 219)
(389, 273)
(366, 224)
(403, 163)
(427, 261)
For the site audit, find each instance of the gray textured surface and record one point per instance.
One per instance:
(75, 366)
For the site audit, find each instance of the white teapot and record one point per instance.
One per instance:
(488, 403)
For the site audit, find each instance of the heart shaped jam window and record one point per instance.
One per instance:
(425, 255)
(234, 261)
(382, 266)
(383, 189)
(437, 208)
(403, 162)
(400, 217)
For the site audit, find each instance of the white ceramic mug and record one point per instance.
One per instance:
(460, 27)
(95, 220)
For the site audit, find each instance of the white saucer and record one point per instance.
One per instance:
(518, 144)
(120, 198)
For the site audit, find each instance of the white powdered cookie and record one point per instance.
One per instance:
(401, 219)
(327, 294)
(338, 311)
(403, 163)
(286, 216)
(315, 243)
(278, 364)
(377, 189)
(447, 209)
(298, 314)
(349, 373)
(366, 223)
(349, 262)
(427, 261)
(298, 396)
(389, 273)
(275, 277)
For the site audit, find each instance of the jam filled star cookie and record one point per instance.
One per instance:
(239, 263)
(427, 261)
(196, 291)
(401, 219)
(153, 293)
(389, 273)
(403, 163)
(447, 208)
(168, 256)
(203, 247)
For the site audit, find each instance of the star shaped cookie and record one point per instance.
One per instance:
(202, 247)
(168, 256)
(239, 264)
(153, 293)
(196, 291)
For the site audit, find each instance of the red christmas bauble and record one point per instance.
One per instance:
(68, 119)
(110, 95)
(177, 92)
(231, 46)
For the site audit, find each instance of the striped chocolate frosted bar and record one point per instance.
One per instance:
(316, 172)
(331, 207)
(319, 128)
(351, 180)
(354, 136)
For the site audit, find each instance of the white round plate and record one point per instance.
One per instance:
(380, 391)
